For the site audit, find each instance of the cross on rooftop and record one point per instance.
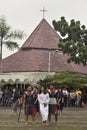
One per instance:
(43, 11)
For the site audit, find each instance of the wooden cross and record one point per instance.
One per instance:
(43, 11)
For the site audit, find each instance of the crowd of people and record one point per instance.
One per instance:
(45, 101)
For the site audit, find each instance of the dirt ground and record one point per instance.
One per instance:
(71, 119)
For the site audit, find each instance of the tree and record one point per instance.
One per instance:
(6, 36)
(61, 79)
(73, 40)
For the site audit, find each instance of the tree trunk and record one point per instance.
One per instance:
(1, 55)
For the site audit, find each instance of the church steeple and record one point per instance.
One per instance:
(43, 37)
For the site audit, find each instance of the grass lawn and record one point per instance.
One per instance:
(71, 119)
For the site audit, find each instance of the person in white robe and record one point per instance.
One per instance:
(44, 99)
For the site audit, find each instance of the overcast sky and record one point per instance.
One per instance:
(26, 15)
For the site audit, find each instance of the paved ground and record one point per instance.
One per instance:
(71, 119)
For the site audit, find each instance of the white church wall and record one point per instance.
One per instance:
(31, 77)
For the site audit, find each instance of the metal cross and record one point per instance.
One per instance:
(43, 12)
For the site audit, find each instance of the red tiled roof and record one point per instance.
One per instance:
(34, 54)
(34, 60)
(37, 60)
(43, 36)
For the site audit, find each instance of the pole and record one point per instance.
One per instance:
(20, 112)
(49, 60)
(0, 55)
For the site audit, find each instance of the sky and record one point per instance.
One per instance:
(26, 15)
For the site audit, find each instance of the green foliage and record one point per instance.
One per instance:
(73, 40)
(7, 36)
(70, 79)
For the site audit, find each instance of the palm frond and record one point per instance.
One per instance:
(11, 45)
(4, 28)
(17, 34)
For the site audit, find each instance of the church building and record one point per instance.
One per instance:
(38, 57)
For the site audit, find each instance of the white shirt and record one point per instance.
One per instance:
(43, 98)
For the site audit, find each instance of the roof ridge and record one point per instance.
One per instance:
(35, 31)
(42, 36)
